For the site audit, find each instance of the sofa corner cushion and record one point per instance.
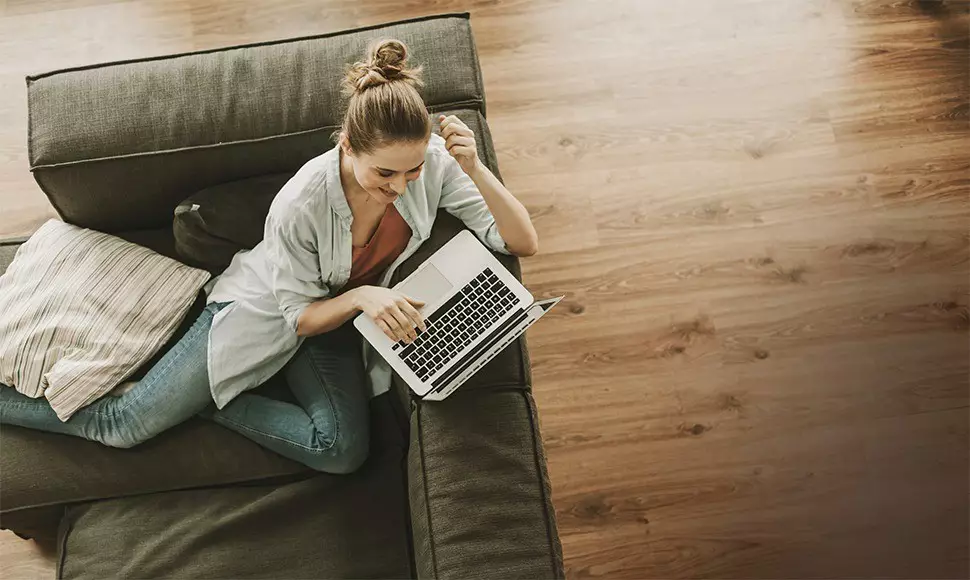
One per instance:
(92, 307)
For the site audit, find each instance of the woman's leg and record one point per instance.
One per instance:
(174, 390)
(329, 429)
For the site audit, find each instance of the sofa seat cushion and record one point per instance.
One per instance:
(41, 469)
(324, 526)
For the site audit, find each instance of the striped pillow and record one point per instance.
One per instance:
(81, 310)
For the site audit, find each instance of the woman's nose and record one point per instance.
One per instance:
(399, 186)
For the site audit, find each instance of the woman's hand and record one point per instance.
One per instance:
(393, 312)
(460, 142)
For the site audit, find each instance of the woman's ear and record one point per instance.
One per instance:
(345, 144)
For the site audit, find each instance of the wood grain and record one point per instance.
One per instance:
(760, 213)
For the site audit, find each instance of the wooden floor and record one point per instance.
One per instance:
(759, 211)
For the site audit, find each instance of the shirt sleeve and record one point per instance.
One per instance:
(461, 198)
(294, 263)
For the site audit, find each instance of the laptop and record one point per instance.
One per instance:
(473, 309)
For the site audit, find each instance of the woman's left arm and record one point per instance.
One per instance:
(511, 217)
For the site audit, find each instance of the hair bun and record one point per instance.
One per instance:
(386, 62)
(389, 56)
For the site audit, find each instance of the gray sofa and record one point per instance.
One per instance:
(456, 489)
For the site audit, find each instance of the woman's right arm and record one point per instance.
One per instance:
(393, 312)
(327, 314)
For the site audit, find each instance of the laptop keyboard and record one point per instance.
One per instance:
(458, 322)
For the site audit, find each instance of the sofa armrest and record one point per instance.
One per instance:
(479, 491)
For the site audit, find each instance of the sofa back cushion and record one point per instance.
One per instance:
(117, 146)
(80, 311)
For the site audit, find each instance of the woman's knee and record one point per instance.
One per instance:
(346, 455)
(120, 439)
(121, 429)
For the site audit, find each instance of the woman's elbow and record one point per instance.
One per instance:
(302, 324)
(530, 249)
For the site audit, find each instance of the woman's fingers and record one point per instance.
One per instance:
(456, 129)
(413, 314)
(459, 142)
(460, 150)
(451, 123)
(397, 333)
(386, 328)
(405, 327)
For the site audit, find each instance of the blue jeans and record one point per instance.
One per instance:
(328, 430)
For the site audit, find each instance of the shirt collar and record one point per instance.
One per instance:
(335, 189)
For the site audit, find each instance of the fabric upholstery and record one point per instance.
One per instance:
(480, 505)
(40, 469)
(91, 307)
(326, 526)
(159, 240)
(39, 524)
(145, 127)
(212, 225)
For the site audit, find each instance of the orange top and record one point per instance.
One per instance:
(387, 243)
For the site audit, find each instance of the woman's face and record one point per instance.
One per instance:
(385, 173)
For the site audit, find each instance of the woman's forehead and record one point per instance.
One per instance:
(403, 156)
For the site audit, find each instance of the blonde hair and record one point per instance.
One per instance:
(384, 104)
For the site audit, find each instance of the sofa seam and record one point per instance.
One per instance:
(546, 500)
(408, 525)
(444, 16)
(468, 104)
(427, 497)
(63, 531)
(125, 495)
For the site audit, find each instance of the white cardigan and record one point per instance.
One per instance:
(306, 255)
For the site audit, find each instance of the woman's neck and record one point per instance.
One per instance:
(352, 190)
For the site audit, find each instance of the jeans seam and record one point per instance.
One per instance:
(326, 391)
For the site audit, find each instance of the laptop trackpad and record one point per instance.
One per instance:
(427, 285)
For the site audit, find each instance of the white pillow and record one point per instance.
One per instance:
(81, 310)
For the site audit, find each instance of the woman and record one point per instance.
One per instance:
(332, 239)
